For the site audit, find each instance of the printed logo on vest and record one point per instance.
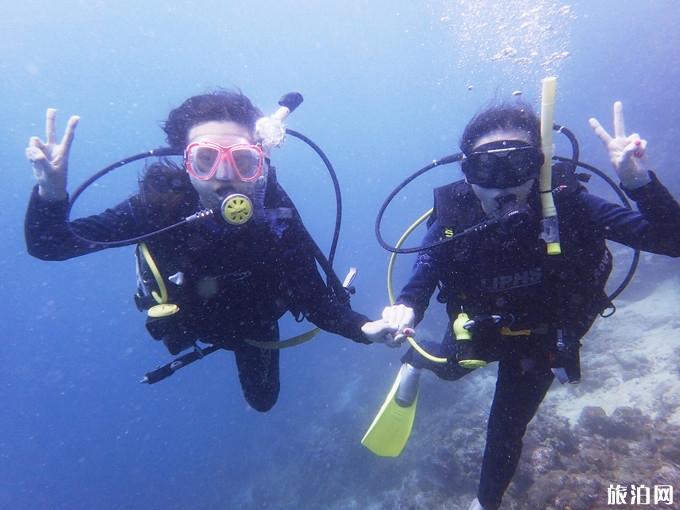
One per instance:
(526, 278)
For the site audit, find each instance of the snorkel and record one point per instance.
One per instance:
(270, 132)
(549, 224)
(239, 208)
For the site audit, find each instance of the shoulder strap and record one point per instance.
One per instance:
(456, 206)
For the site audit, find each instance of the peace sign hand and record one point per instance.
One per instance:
(50, 159)
(627, 153)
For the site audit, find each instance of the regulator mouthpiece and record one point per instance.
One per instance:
(271, 131)
(236, 209)
(515, 217)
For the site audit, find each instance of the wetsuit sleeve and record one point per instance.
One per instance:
(424, 278)
(49, 236)
(309, 293)
(655, 227)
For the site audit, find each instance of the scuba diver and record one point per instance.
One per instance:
(224, 283)
(509, 299)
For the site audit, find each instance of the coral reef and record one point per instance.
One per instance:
(572, 467)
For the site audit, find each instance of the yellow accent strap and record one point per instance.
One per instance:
(163, 298)
(505, 331)
(472, 364)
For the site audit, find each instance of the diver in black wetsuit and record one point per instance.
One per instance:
(525, 309)
(226, 283)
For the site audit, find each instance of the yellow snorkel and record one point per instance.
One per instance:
(549, 224)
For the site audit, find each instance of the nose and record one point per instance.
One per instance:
(224, 171)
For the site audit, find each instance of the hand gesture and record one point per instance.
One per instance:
(50, 159)
(627, 153)
(392, 329)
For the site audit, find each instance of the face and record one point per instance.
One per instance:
(225, 181)
(496, 202)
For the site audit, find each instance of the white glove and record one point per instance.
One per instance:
(396, 323)
(627, 153)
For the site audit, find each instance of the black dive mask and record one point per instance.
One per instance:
(502, 164)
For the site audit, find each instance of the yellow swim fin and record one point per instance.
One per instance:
(388, 434)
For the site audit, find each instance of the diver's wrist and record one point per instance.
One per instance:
(636, 180)
(52, 193)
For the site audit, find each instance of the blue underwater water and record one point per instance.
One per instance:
(388, 87)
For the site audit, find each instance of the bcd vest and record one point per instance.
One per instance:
(222, 278)
(509, 272)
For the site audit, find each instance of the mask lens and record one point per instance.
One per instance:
(203, 160)
(248, 162)
(502, 168)
(484, 166)
(523, 162)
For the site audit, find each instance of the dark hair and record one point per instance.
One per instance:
(516, 116)
(219, 105)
